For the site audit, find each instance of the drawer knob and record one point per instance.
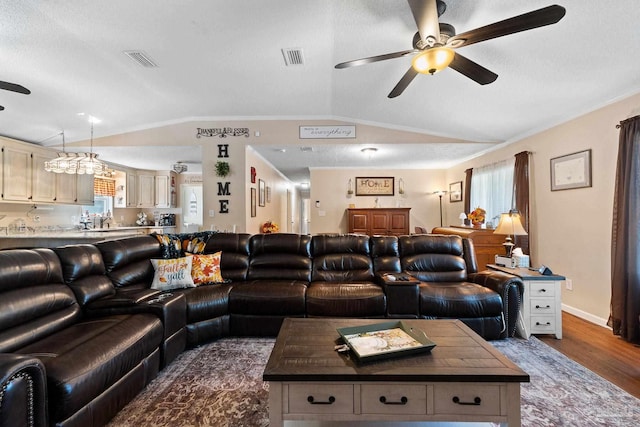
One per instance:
(543, 290)
(403, 401)
(330, 401)
(476, 401)
(546, 306)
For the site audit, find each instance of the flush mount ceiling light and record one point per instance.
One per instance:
(432, 60)
(180, 167)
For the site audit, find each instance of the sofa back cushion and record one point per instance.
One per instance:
(341, 258)
(234, 261)
(280, 256)
(128, 261)
(433, 257)
(34, 301)
(83, 270)
(385, 252)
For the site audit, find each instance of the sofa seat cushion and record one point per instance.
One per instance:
(352, 299)
(206, 302)
(458, 300)
(268, 297)
(85, 359)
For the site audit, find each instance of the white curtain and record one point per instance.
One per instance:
(492, 189)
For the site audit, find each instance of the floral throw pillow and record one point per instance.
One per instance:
(206, 269)
(171, 245)
(172, 274)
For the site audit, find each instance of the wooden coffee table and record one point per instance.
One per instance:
(464, 378)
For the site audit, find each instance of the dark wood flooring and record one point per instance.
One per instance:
(597, 349)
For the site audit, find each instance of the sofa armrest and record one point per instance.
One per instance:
(23, 399)
(510, 288)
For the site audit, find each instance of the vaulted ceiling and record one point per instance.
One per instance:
(223, 60)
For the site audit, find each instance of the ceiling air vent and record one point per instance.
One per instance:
(293, 56)
(141, 58)
(306, 149)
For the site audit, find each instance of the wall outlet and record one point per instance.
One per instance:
(568, 283)
(212, 213)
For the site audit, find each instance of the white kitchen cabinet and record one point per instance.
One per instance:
(16, 174)
(162, 195)
(132, 190)
(43, 183)
(85, 191)
(146, 190)
(66, 188)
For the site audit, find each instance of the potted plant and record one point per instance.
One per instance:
(222, 168)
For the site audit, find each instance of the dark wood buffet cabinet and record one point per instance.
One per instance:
(486, 244)
(378, 221)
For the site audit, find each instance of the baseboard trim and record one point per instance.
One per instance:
(586, 316)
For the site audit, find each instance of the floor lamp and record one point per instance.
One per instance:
(440, 193)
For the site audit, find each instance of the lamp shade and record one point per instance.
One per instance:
(510, 225)
(432, 60)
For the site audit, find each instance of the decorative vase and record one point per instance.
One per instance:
(477, 224)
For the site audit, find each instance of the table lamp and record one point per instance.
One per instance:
(462, 217)
(509, 225)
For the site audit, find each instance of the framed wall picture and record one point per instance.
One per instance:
(375, 186)
(455, 191)
(261, 192)
(253, 202)
(571, 171)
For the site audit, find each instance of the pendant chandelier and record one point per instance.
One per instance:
(77, 163)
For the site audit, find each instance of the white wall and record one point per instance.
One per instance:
(276, 209)
(329, 188)
(571, 229)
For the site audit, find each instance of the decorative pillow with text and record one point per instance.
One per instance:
(172, 274)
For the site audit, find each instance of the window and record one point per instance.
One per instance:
(492, 189)
(101, 205)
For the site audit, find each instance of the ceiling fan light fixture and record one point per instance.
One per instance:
(432, 60)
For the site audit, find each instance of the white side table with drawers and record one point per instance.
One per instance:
(541, 311)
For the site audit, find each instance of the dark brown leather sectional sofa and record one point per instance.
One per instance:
(81, 332)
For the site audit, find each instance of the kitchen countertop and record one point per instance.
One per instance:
(93, 232)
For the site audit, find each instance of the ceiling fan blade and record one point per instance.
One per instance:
(528, 21)
(425, 13)
(474, 71)
(14, 87)
(403, 83)
(377, 58)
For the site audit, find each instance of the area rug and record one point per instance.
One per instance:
(220, 385)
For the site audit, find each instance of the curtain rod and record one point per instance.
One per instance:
(619, 125)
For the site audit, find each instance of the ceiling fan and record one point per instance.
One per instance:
(13, 88)
(435, 42)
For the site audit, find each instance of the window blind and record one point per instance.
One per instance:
(104, 187)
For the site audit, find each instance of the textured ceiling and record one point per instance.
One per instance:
(222, 59)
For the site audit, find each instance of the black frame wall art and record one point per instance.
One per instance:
(375, 186)
(455, 191)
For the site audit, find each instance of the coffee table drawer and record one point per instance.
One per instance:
(467, 399)
(393, 399)
(314, 398)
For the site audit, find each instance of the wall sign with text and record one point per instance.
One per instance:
(375, 186)
(327, 132)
